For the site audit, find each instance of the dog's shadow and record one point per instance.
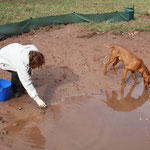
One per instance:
(50, 77)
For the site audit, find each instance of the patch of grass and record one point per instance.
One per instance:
(137, 25)
(16, 11)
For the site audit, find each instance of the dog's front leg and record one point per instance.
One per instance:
(124, 76)
(134, 77)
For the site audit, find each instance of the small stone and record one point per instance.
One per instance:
(43, 111)
(19, 108)
(4, 132)
(15, 124)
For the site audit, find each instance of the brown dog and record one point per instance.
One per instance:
(131, 63)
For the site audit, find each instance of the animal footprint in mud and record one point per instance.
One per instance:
(2, 120)
(58, 59)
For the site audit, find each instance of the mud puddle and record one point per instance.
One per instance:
(103, 121)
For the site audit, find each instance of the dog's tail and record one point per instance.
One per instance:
(107, 46)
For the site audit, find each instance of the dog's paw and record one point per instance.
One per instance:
(123, 84)
(114, 72)
(105, 73)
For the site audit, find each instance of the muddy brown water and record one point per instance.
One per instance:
(117, 120)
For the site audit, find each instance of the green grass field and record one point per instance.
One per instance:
(19, 10)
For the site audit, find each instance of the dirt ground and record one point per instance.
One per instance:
(75, 60)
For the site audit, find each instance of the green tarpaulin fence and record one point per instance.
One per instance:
(8, 30)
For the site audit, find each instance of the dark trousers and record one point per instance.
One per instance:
(16, 86)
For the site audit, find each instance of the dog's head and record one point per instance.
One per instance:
(146, 81)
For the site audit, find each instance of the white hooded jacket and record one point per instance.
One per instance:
(15, 57)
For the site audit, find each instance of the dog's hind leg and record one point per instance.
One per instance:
(110, 61)
(114, 64)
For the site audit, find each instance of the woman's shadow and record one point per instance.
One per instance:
(126, 103)
(48, 78)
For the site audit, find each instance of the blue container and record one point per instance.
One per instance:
(5, 86)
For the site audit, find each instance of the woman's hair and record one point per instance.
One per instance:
(36, 58)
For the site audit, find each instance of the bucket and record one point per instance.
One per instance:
(5, 86)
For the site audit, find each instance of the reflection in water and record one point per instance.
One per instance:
(126, 103)
(35, 138)
(86, 123)
(76, 125)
